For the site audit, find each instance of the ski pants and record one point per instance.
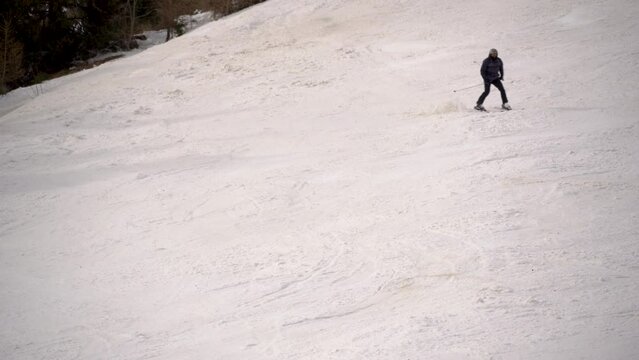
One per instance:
(498, 85)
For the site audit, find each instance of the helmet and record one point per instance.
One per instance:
(493, 51)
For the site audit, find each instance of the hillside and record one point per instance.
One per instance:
(300, 181)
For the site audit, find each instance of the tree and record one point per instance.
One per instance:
(132, 6)
(132, 9)
(102, 24)
(11, 55)
(170, 10)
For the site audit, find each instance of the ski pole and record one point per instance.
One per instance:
(468, 87)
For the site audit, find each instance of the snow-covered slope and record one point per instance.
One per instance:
(300, 181)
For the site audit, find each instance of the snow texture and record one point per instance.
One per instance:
(300, 181)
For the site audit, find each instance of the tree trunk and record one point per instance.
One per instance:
(134, 6)
(10, 56)
(5, 49)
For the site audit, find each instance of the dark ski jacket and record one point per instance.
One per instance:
(492, 69)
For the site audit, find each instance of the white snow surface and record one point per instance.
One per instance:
(300, 181)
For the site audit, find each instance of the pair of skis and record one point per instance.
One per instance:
(483, 109)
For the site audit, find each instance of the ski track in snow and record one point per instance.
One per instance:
(299, 181)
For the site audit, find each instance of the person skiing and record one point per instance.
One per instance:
(492, 71)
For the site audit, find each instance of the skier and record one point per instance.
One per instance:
(492, 71)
